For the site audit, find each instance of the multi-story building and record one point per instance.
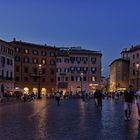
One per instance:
(78, 69)
(6, 67)
(119, 75)
(35, 67)
(135, 66)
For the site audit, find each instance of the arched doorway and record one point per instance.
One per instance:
(35, 91)
(26, 90)
(44, 91)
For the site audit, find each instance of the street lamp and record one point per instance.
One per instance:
(39, 91)
(81, 76)
(137, 70)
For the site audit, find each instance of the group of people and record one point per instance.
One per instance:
(128, 97)
(128, 101)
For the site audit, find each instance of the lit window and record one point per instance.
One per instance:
(93, 79)
(17, 49)
(26, 51)
(43, 61)
(35, 60)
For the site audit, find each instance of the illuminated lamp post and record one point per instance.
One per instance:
(39, 91)
(137, 70)
(81, 76)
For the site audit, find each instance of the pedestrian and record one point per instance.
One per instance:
(57, 97)
(98, 98)
(138, 103)
(116, 94)
(128, 100)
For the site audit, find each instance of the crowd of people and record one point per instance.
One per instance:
(129, 96)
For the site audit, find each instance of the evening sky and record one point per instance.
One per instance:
(101, 25)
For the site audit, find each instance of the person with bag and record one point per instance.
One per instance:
(128, 100)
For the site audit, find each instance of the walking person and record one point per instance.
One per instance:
(128, 100)
(138, 103)
(57, 97)
(98, 98)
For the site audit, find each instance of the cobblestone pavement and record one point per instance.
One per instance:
(73, 119)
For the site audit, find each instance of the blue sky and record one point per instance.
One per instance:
(104, 25)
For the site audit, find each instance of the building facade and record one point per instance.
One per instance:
(135, 67)
(6, 67)
(119, 75)
(78, 70)
(35, 67)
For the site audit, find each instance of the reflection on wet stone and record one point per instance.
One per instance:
(72, 120)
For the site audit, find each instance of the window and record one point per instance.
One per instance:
(58, 78)
(93, 70)
(11, 62)
(17, 50)
(78, 78)
(35, 60)
(137, 55)
(26, 51)
(35, 52)
(93, 78)
(66, 60)
(26, 59)
(72, 78)
(8, 61)
(133, 56)
(66, 79)
(66, 70)
(72, 59)
(78, 59)
(2, 60)
(52, 62)
(2, 74)
(7, 73)
(133, 72)
(43, 53)
(52, 54)
(43, 61)
(58, 69)
(11, 75)
(78, 69)
(17, 58)
(84, 78)
(72, 69)
(93, 60)
(58, 60)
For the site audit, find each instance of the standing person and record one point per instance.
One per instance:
(57, 96)
(128, 100)
(138, 103)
